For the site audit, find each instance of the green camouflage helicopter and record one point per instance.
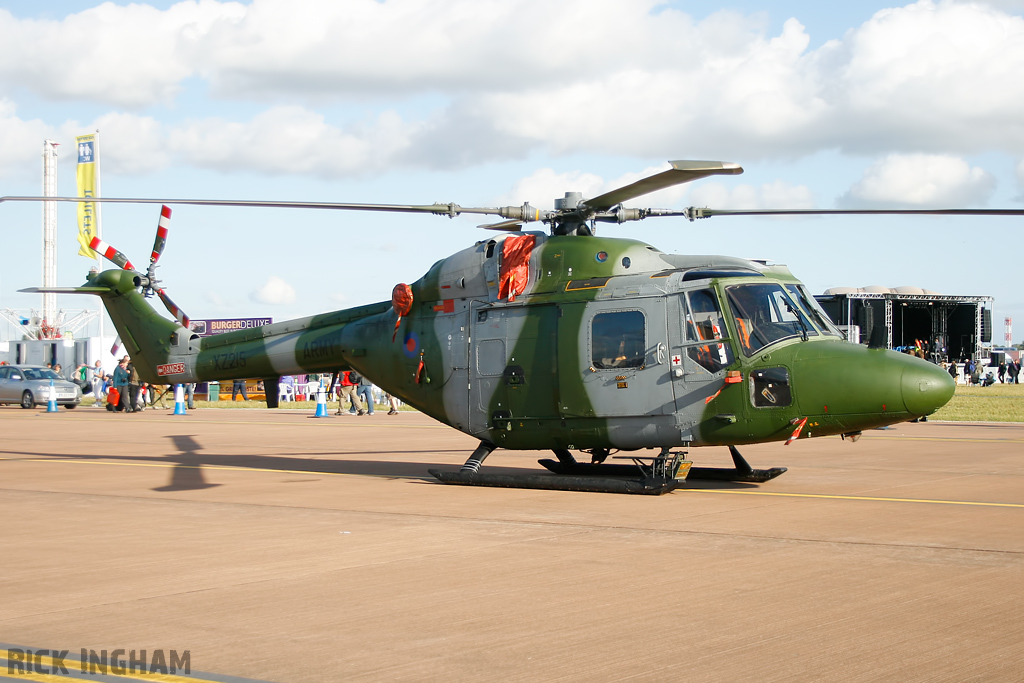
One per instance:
(566, 342)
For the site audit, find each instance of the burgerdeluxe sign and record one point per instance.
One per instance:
(206, 328)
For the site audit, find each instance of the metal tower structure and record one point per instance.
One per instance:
(50, 231)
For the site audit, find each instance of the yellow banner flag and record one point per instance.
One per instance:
(86, 188)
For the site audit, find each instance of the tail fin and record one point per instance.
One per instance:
(149, 338)
(65, 290)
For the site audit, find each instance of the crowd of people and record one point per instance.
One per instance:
(119, 391)
(975, 374)
(123, 391)
(358, 391)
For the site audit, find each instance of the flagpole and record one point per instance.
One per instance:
(99, 221)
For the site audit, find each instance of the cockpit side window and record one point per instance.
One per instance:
(765, 314)
(618, 340)
(814, 310)
(704, 322)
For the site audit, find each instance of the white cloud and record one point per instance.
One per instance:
(932, 76)
(775, 195)
(544, 186)
(291, 139)
(218, 301)
(16, 154)
(274, 292)
(921, 180)
(131, 144)
(124, 55)
(1005, 5)
(507, 78)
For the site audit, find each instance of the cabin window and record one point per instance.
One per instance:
(704, 322)
(618, 340)
(765, 314)
(770, 388)
(490, 357)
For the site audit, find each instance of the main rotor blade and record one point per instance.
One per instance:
(681, 172)
(450, 209)
(694, 213)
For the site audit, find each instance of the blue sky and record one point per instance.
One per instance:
(493, 103)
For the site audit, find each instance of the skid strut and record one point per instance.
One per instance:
(654, 479)
(741, 470)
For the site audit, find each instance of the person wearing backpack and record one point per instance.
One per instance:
(349, 387)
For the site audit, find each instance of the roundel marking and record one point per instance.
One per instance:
(411, 344)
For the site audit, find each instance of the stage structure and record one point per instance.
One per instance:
(949, 327)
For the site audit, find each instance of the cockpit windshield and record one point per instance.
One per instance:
(764, 314)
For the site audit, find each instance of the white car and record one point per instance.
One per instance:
(29, 386)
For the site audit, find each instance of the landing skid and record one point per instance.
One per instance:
(742, 471)
(558, 482)
(651, 480)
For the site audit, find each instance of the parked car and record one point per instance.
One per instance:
(29, 385)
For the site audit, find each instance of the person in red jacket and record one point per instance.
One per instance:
(348, 388)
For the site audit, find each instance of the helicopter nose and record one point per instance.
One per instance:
(926, 388)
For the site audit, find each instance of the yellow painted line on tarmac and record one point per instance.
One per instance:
(228, 468)
(881, 499)
(952, 439)
(868, 498)
(361, 425)
(74, 666)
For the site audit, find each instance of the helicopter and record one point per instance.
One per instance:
(591, 347)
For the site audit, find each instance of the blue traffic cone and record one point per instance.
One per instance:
(51, 406)
(179, 400)
(321, 401)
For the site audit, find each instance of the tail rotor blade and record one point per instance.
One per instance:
(161, 233)
(111, 254)
(178, 314)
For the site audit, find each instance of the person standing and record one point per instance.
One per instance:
(349, 388)
(134, 384)
(365, 392)
(120, 384)
(238, 386)
(97, 377)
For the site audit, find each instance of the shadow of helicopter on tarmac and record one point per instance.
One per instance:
(191, 464)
